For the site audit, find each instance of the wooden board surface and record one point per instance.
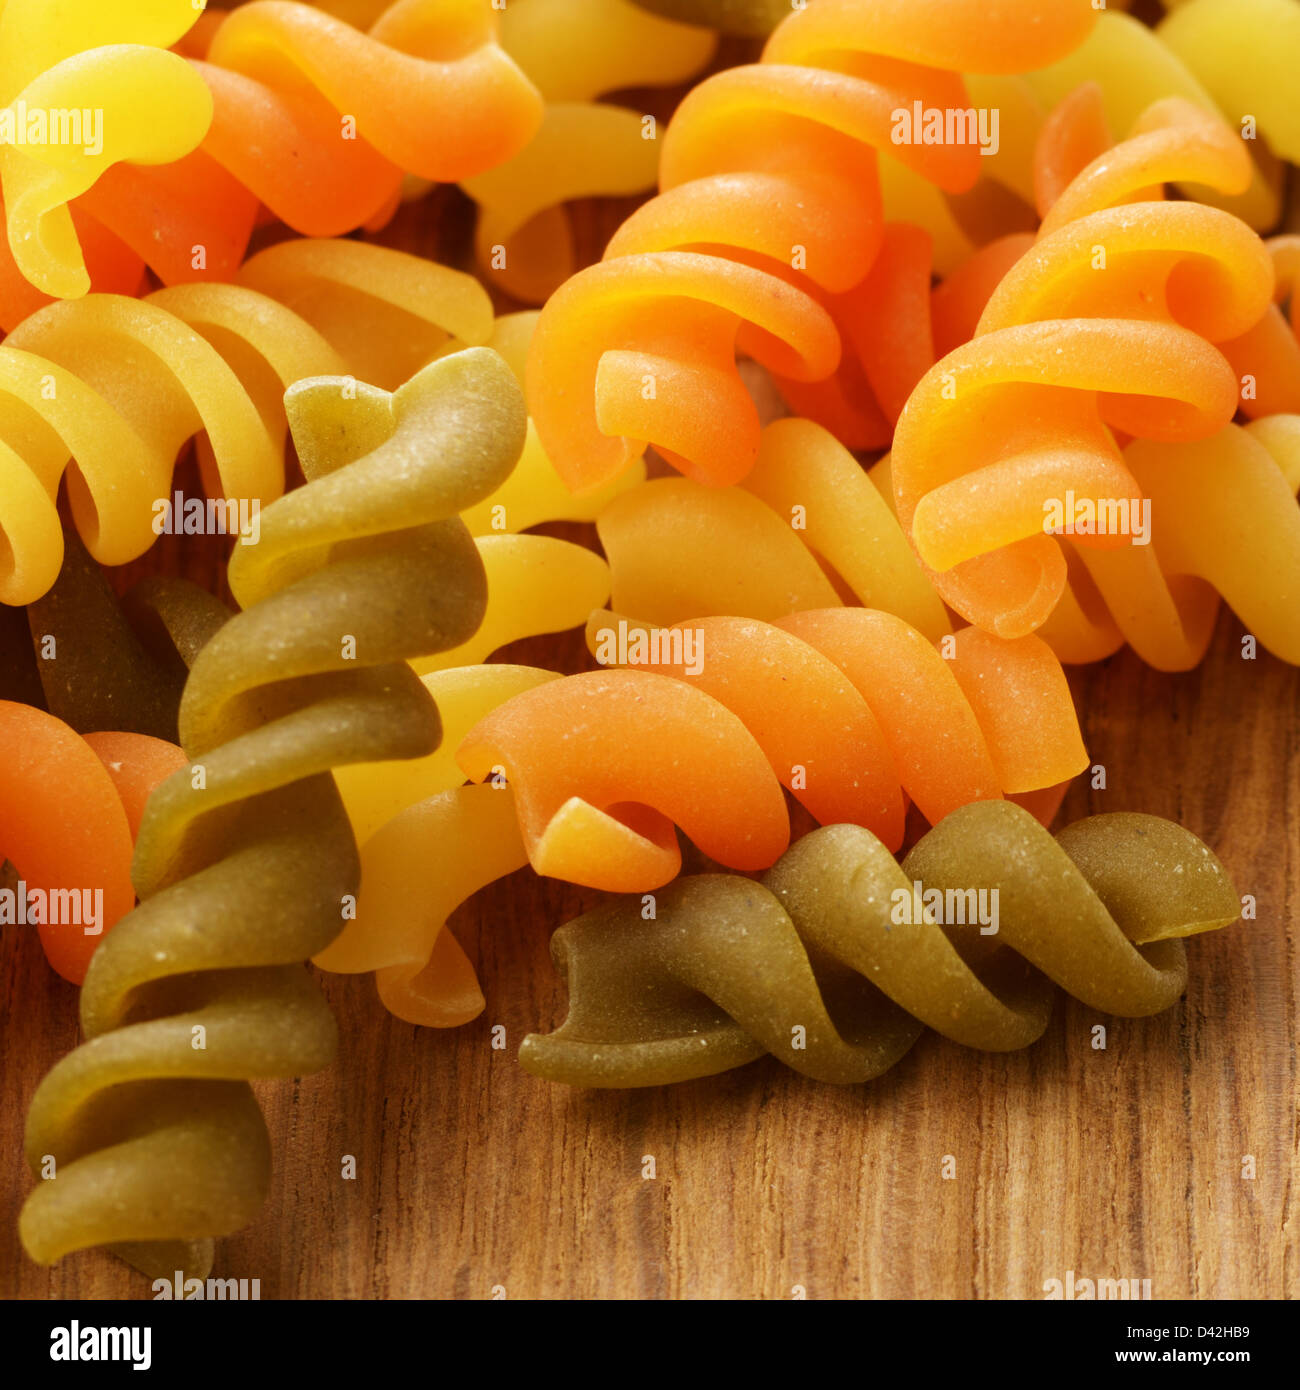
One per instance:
(473, 1178)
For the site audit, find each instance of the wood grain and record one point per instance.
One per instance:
(472, 1176)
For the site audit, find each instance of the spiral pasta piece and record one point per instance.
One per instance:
(1110, 322)
(677, 548)
(583, 147)
(850, 710)
(1229, 530)
(374, 793)
(427, 843)
(385, 313)
(246, 870)
(535, 585)
(897, 324)
(69, 808)
(806, 511)
(84, 86)
(1135, 67)
(319, 121)
(1266, 358)
(419, 859)
(768, 238)
(462, 840)
(1245, 54)
(105, 663)
(388, 314)
(826, 528)
(840, 957)
(534, 493)
(119, 386)
(1000, 203)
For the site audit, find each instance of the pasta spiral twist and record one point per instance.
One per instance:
(806, 511)
(1228, 530)
(1109, 322)
(583, 147)
(836, 961)
(319, 121)
(69, 808)
(1267, 358)
(120, 385)
(83, 86)
(98, 662)
(850, 710)
(1136, 66)
(1244, 52)
(246, 871)
(426, 842)
(768, 237)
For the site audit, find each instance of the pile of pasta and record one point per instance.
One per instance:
(947, 344)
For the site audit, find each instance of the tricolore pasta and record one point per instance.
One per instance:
(1109, 323)
(84, 86)
(771, 170)
(839, 958)
(850, 710)
(121, 385)
(584, 147)
(246, 865)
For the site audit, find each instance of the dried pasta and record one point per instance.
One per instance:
(768, 238)
(956, 225)
(245, 862)
(69, 808)
(584, 147)
(428, 843)
(1266, 358)
(373, 793)
(850, 710)
(319, 121)
(534, 493)
(536, 584)
(1228, 529)
(818, 966)
(121, 385)
(764, 549)
(1135, 67)
(83, 87)
(1245, 53)
(1019, 419)
(110, 664)
(389, 314)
